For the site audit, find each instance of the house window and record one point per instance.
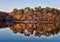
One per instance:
(34, 16)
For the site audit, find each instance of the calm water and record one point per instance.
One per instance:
(50, 27)
(6, 35)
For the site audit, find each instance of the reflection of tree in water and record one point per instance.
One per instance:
(17, 28)
(43, 29)
(21, 28)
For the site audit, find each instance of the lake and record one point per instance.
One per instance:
(6, 35)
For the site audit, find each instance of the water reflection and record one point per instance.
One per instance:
(32, 23)
(29, 27)
(37, 29)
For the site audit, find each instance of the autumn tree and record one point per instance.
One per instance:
(13, 12)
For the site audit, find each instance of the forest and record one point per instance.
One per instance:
(44, 21)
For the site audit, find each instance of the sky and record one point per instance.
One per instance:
(9, 5)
